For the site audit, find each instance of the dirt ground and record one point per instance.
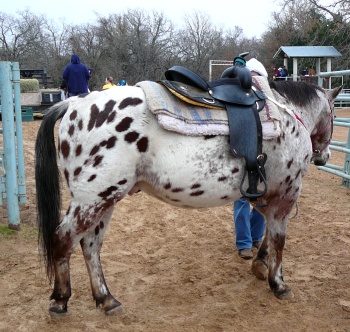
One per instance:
(178, 270)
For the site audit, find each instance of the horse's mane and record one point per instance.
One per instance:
(299, 93)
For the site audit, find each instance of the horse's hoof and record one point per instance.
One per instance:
(260, 269)
(110, 306)
(286, 294)
(57, 310)
(117, 311)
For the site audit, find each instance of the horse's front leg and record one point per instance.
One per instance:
(277, 240)
(260, 266)
(277, 220)
(268, 262)
(91, 245)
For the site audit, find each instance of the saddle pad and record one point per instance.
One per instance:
(271, 129)
(176, 115)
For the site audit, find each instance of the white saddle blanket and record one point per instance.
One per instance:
(176, 115)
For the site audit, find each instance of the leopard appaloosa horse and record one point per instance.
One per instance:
(110, 145)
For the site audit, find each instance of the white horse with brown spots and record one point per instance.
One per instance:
(110, 144)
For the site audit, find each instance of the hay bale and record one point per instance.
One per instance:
(29, 85)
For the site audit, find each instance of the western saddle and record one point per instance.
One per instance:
(242, 100)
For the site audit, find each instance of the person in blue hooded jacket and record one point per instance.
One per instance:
(76, 76)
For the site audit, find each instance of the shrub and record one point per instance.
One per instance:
(29, 85)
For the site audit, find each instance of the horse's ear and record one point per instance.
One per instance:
(333, 93)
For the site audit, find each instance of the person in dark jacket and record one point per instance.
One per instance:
(76, 76)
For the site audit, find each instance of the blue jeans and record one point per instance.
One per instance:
(249, 225)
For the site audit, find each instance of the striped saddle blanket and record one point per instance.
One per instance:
(177, 115)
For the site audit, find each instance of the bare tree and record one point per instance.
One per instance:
(138, 44)
(198, 42)
(55, 48)
(86, 43)
(20, 37)
(32, 41)
(325, 24)
(338, 9)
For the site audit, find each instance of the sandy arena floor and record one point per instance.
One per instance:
(178, 270)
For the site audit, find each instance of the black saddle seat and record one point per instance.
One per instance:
(227, 90)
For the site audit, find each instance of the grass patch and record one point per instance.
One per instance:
(28, 233)
(4, 230)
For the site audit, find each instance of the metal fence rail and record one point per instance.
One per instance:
(343, 100)
(342, 171)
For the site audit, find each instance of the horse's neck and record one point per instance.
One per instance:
(314, 113)
(304, 115)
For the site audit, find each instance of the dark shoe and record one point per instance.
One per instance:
(246, 253)
(257, 244)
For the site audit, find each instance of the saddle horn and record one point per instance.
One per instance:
(239, 70)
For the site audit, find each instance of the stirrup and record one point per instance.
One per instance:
(254, 196)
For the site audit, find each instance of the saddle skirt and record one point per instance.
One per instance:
(174, 114)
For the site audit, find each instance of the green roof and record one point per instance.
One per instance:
(307, 52)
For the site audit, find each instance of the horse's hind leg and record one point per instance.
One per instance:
(62, 249)
(78, 221)
(91, 245)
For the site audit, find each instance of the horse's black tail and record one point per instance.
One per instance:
(47, 181)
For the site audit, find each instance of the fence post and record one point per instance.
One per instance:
(10, 167)
(346, 181)
(16, 78)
